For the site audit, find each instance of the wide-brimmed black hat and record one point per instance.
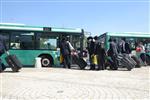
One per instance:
(90, 37)
(96, 37)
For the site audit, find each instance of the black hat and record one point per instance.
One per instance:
(63, 39)
(89, 38)
(96, 37)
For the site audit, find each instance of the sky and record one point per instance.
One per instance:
(94, 16)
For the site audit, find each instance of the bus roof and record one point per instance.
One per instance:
(128, 34)
(8, 26)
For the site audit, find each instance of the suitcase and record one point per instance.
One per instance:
(13, 62)
(138, 62)
(125, 62)
(79, 61)
(132, 62)
(2, 67)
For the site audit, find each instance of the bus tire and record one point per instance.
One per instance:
(46, 61)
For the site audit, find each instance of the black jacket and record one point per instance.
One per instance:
(113, 49)
(100, 51)
(64, 48)
(3, 46)
(91, 47)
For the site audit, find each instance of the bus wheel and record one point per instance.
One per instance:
(46, 61)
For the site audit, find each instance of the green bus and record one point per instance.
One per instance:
(132, 37)
(29, 42)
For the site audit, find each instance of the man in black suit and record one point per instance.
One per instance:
(112, 52)
(66, 52)
(101, 55)
(91, 48)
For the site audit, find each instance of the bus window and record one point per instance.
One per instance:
(23, 41)
(132, 43)
(45, 41)
(147, 47)
(129, 40)
(76, 42)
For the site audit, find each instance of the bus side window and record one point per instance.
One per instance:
(26, 42)
(45, 41)
(15, 41)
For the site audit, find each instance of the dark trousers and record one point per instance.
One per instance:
(101, 62)
(113, 57)
(66, 61)
(143, 57)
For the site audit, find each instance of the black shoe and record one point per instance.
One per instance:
(69, 67)
(92, 68)
(3, 67)
(98, 69)
(115, 68)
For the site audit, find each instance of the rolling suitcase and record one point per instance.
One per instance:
(126, 63)
(2, 67)
(13, 62)
(138, 62)
(79, 61)
(132, 62)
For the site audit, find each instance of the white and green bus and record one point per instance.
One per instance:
(29, 42)
(132, 37)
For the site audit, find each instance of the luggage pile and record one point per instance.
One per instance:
(125, 61)
(13, 62)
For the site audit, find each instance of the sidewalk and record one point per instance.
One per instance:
(62, 84)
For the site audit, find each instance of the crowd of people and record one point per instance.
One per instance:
(97, 53)
(97, 49)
